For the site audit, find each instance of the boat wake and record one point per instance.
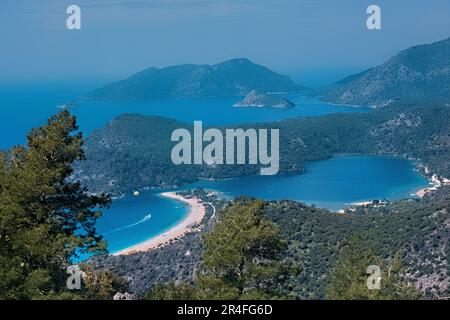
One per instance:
(144, 219)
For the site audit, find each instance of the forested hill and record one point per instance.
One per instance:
(133, 151)
(420, 73)
(414, 231)
(236, 77)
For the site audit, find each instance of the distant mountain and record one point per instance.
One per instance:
(235, 77)
(420, 73)
(262, 100)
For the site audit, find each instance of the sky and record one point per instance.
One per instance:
(306, 39)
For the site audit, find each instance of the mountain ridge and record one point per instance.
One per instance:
(419, 73)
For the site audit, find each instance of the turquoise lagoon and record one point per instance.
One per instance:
(332, 184)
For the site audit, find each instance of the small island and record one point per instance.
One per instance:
(263, 100)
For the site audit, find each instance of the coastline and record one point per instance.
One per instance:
(434, 183)
(361, 203)
(422, 192)
(195, 216)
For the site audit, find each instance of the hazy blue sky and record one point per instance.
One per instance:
(121, 37)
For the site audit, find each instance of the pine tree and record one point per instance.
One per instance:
(242, 259)
(101, 285)
(349, 276)
(45, 218)
(243, 254)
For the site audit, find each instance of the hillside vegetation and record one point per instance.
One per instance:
(420, 73)
(410, 234)
(133, 151)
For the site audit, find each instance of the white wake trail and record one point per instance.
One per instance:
(144, 219)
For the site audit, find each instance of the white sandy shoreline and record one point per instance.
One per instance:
(194, 217)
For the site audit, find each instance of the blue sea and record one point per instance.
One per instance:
(332, 184)
(24, 106)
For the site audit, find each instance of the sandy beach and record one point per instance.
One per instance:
(362, 203)
(421, 193)
(195, 216)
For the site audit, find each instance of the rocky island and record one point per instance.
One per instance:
(263, 100)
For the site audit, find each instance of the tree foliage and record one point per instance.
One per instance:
(350, 276)
(101, 285)
(45, 218)
(241, 257)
